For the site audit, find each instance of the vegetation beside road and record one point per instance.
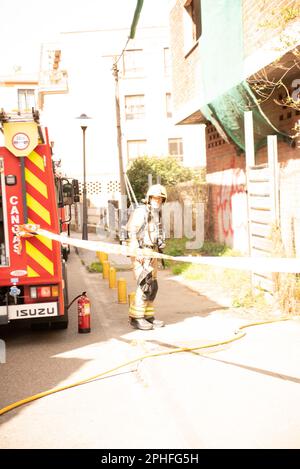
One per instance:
(235, 283)
(170, 171)
(95, 267)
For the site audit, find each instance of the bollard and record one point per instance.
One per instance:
(105, 273)
(102, 256)
(122, 291)
(131, 298)
(112, 279)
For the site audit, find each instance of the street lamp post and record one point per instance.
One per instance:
(83, 124)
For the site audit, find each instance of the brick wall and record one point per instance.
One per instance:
(227, 221)
(225, 165)
(226, 178)
(185, 68)
(256, 13)
(284, 119)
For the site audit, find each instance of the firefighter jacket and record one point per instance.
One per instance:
(143, 227)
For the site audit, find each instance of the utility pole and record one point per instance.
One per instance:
(119, 133)
(134, 23)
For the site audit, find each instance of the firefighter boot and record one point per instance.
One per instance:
(155, 322)
(140, 323)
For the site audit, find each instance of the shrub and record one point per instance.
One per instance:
(211, 248)
(169, 169)
(175, 247)
(178, 269)
(95, 267)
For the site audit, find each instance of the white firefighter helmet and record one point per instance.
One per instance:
(157, 190)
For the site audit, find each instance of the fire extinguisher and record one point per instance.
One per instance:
(84, 314)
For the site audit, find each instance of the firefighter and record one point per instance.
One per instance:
(144, 230)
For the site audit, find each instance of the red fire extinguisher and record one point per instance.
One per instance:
(84, 314)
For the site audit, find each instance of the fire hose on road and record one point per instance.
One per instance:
(285, 265)
(239, 334)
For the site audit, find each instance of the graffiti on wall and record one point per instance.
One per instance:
(232, 209)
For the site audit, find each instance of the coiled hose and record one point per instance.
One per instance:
(238, 335)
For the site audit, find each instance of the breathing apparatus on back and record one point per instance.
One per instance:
(151, 228)
(154, 211)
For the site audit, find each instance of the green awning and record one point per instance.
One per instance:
(220, 47)
(228, 110)
(224, 93)
(136, 18)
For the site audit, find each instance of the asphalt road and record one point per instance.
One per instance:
(243, 395)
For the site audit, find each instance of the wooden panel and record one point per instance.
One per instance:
(259, 166)
(262, 216)
(274, 179)
(268, 296)
(259, 253)
(268, 275)
(261, 243)
(260, 202)
(263, 282)
(261, 229)
(261, 174)
(259, 188)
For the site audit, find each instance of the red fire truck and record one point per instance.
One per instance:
(33, 275)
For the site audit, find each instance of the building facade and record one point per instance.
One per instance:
(19, 92)
(146, 107)
(228, 57)
(76, 77)
(147, 103)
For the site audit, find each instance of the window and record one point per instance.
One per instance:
(136, 148)
(168, 105)
(135, 107)
(192, 23)
(133, 62)
(26, 100)
(176, 147)
(167, 61)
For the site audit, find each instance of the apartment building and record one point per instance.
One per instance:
(146, 102)
(19, 91)
(228, 57)
(146, 107)
(76, 77)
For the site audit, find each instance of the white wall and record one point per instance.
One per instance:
(88, 60)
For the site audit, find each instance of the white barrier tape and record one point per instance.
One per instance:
(255, 264)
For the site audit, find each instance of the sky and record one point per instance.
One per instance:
(26, 24)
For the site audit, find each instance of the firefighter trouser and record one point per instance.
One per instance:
(141, 308)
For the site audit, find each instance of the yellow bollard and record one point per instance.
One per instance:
(102, 256)
(112, 279)
(131, 298)
(122, 291)
(106, 267)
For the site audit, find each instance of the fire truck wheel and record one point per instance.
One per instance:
(65, 254)
(59, 325)
(66, 294)
(39, 326)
